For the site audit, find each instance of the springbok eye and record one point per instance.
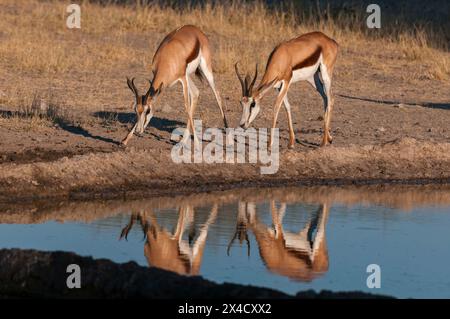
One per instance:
(252, 105)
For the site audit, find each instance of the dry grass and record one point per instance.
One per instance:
(35, 39)
(36, 109)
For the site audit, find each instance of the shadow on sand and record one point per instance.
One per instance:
(62, 123)
(443, 106)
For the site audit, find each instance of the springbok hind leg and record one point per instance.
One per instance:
(194, 94)
(326, 78)
(210, 78)
(190, 122)
(323, 86)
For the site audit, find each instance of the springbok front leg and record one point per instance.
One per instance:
(278, 102)
(287, 107)
(129, 136)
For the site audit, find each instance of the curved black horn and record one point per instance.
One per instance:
(250, 88)
(132, 86)
(149, 89)
(240, 79)
(247, 85)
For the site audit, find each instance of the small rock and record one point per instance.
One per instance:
(35, 183)
(381, 129)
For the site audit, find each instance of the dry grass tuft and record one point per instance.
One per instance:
(37, 110)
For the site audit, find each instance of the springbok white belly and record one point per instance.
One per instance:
(305, 73)
(193, 65)
(190, 68)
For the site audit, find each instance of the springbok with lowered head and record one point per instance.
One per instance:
(183, 53)
(310, 57)
(168, 250)
(301, 256)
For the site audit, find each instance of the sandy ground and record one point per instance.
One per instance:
(388, 125)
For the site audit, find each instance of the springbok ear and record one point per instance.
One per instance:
(262, 90)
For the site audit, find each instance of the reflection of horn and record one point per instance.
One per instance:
(248, 244)
(127, 228)
(133, 218)
(236, 233)
(231, 242)
(241, 228)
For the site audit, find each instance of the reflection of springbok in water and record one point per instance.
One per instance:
(170, 251)
(300, 256)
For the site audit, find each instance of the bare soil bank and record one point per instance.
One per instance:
(134, 172)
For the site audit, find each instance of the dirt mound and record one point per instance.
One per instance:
(135, 171)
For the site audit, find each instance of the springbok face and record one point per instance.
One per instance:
(143, 106)
(250, 106)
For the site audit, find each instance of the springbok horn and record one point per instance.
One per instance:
(240, 78)
(149, 89)
(250, 88)
(132, 86)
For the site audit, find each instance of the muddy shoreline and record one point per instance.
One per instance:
(400, 196)
(135, 173)
(138, 191)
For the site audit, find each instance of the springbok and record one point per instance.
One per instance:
(182, 53)
(300, 256)
(170, 251)
(310, 57)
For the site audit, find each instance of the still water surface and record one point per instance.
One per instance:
(289, 239)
